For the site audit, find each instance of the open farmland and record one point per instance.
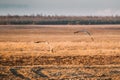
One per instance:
(43, 52)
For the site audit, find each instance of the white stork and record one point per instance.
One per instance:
(85, 32)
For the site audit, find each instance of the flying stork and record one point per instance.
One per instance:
(85, 32)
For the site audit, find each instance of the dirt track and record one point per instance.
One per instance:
(55, 72)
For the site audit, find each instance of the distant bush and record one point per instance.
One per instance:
(58, 20)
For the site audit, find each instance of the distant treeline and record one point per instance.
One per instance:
(58, 20)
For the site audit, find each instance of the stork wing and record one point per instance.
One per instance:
(88, 33)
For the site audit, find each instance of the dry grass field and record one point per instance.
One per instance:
(54, 52)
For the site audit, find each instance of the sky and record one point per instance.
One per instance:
(60, 7)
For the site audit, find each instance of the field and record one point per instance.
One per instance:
(55, 52)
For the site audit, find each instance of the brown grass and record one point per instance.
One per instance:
(25, 46)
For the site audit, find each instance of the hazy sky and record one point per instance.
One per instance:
(60, 7)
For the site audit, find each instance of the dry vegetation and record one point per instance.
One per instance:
(55, 52)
